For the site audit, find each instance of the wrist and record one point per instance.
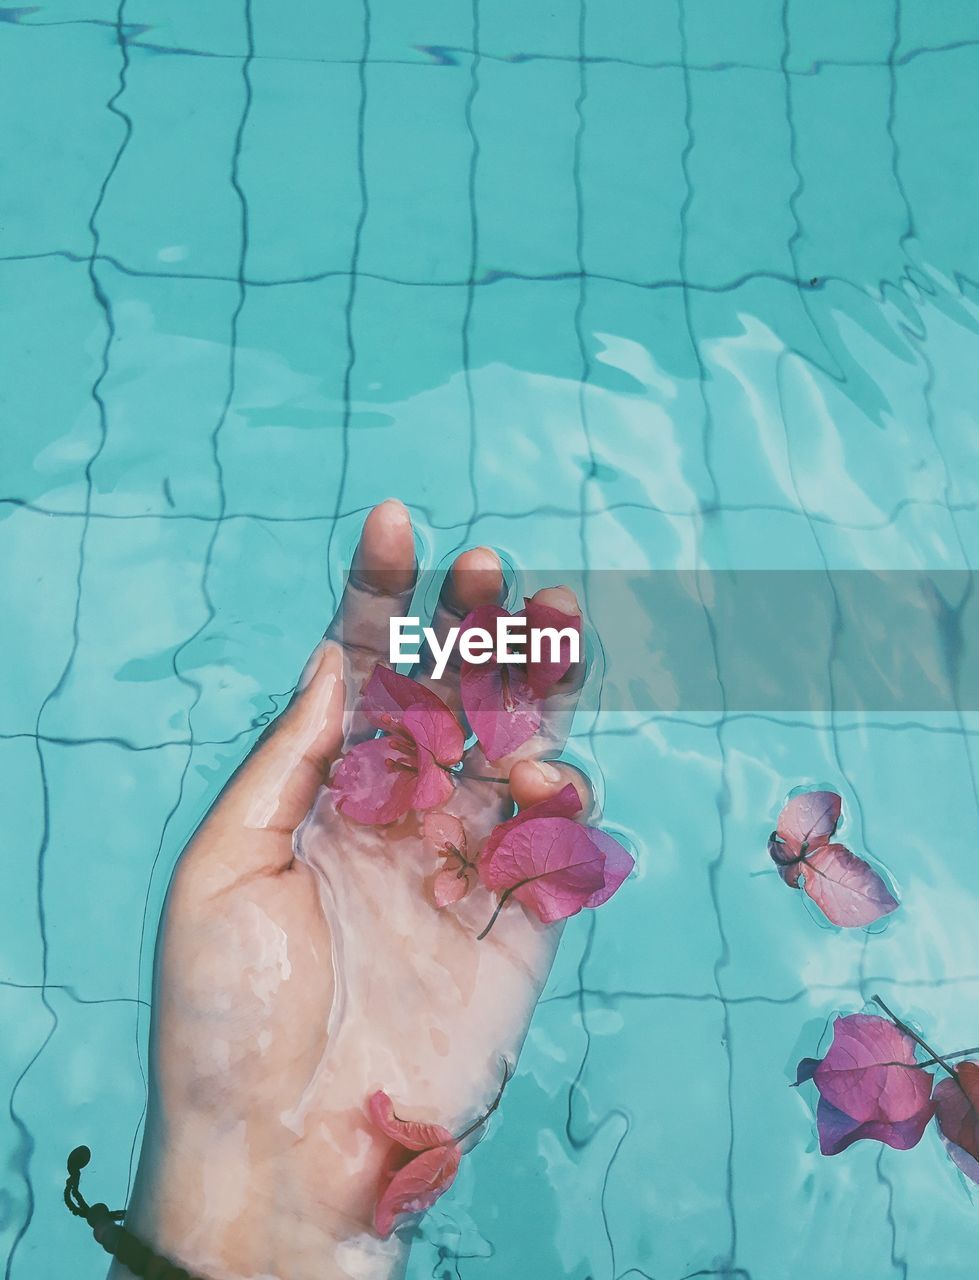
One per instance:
(224, 1216)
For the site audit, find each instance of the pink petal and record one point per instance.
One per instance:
(564, 804)
(443, 832)
(543, 676)
(837, 1131)
(388, 695)
(789, 865)
(846, 889)
(416, 1186)
(809, 819)
(436, 730)
(452, 883)
(549, 864)
(618, 865)
(409, 1133)
(863, 1074)
(370, 785)
(962, 1160)
(958, 1109)
(503, 717)
(433, 786)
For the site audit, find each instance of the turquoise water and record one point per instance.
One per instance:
(619, 284)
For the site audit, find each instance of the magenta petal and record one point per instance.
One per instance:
(436, 730)
(564, 804)
(433, 785)
(388, 695)
(416, 1186)
(503, 717)
(543, 676)
(837, 1130)
(962, 1160)
(958, 1108)
(370, 785)
(809, 819)
(789, 864)
(618, 865)
(410, 1133)
(549, 864)
(847, 890)
(443, 834)
(864, 1073)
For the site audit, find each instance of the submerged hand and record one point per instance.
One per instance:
(296, 975)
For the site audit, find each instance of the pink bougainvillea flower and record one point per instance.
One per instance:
(554, 866)
(846, 888)
(503, 701)
(957, 1108)
(869, 1086)
(421, 1165)
(381, 780)
(445, 837)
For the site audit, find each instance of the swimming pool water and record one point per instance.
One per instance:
(630, 284)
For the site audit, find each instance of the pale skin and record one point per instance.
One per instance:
(296, 976)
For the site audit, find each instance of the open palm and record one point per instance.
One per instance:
(302, 964)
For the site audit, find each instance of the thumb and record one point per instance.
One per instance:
(275, 787)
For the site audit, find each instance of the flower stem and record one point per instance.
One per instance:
(903, 1026)
(935, 1062)
(493, 918)
(492, 1106)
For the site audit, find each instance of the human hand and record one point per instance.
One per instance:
(295, 976)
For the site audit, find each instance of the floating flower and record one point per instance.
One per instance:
(381, 780)
(445, 837)
(551, 864)
(870, 1086)
(502, 700)
(421, 1165)
(957, 1108)
(422, 1162)
(847, 889)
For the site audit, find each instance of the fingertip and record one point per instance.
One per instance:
(476, 578)
(385, 555)
(532, 781)
(561, 598)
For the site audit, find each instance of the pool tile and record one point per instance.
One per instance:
(712, 39)
(179, 174)
(841, 33)
(418, 223)
(633, 31)
(632, 181)
(46, 464)
(208, 30)
(524, 28)
(280, 444)
(299, 169)
(525, 120)
(428, 32)
(21, 799)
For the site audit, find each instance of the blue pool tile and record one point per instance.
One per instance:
(754, 40)
(214, 29)
(89, 828)
(179, 174)
(46, 464)
(40, 595)
(841, 33)
(850, 208)
(22, 798)
(631, 175)
(280, 443)
(633, 31)
(524, 28)
(428, 32)
(121, 682)
(164, 392)
(738, 222)
(338, 32)
(525, 120)
(418, 223)
(299, 169)
(65, 141)
(937, 96)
